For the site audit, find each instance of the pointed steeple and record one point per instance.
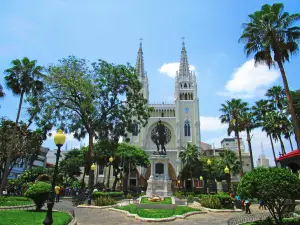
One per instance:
(140, 62)
(184, 65)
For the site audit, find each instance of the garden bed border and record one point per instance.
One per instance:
(136, 216)
(221, 210)
(96, 207)
(17, 207)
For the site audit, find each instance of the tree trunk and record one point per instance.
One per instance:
(240, 154)
(115, 183)
(91, 173)
(9, 152)
(250, 148)
(290, 103)
(274, 155)
(83, 176)
(282, 145)
(191, 176)
(289, 137)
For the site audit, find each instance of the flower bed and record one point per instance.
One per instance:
(32, 217)
(167, 200)
(157, 213)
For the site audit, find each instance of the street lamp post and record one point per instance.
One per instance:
(209, 171)
(227, 173)
(59, 140)
(201, 179)
(178, 182)
(111, 159)
(93, 167)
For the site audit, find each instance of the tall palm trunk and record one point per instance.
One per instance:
(289, 137)
(290, 103)
(240, 154)
(282, 145)
(250, 148)
(274, 155)
(9, 151)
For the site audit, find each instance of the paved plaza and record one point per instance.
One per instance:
(89, 216)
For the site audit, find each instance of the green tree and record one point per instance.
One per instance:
(228, 158)
(233, 112)
(129, 158)
(296, 102)
(27, 145)
(248, 124)
(2, 94)
(276, 96)
(272, 37)
(95, 100)
(190, 159)
(274, 185)
(23, 78)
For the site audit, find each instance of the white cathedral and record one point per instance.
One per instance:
(181, 119)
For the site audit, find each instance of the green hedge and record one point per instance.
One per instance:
(157, 213)
(211, 201)
(103, 201)
(14, 201)
(107, 194)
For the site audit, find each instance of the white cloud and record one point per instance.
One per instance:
(210, 123)
(170, 69)
(250, 81)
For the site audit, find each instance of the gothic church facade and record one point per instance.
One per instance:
(181, 119)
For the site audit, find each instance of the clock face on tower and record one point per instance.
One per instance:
(168, 134)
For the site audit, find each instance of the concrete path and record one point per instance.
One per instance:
(88, 216)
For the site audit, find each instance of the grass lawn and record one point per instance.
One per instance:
(167, 200)
(157, 213)
(18, 217)
(14, 201)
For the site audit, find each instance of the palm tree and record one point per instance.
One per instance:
(2, 94)
(271, 36)
(229, 159)
(288, 131)
(249, 123)
(260, 109)
(190, 158)
(276, 95)
(233, 115)
(273, 124)
(23, 78)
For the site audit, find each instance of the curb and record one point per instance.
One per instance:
(17, 207)
(73, 222)
(158, 219)
(96, 207)
(221, 210)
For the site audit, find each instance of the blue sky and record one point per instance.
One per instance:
(110, 30)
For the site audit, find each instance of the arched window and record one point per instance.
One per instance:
(187, 129)
(135, 130)
(185, 85)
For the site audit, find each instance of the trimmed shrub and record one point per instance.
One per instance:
(39, 193)
(211, 201)
(128, 196)
(107, 194)
(190, 198)
(179, 195)
(102, 201)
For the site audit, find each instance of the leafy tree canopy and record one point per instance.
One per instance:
(273, 185)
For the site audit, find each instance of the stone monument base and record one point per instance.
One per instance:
(159, 182)
(159, 187)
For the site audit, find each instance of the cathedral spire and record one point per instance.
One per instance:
(184, 65)
(140, 62)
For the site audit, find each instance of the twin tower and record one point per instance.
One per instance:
(181, 119)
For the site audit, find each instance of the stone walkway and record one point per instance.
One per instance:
(88, 216)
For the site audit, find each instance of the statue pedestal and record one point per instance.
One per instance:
(159, 182)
